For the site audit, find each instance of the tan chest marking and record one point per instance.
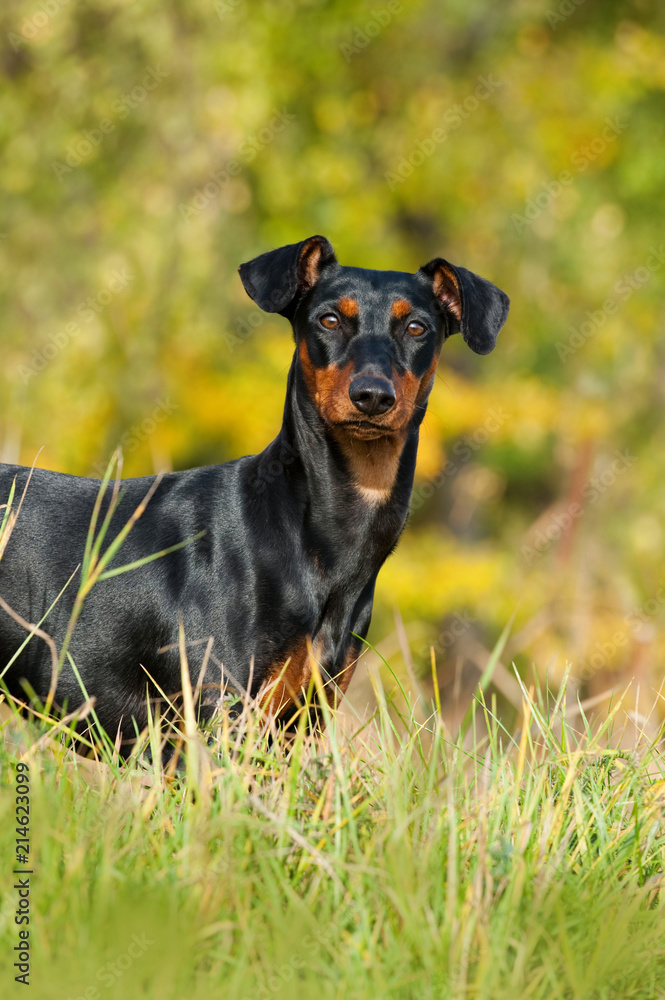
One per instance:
(285, 688)
(373, 464)
(286, 682)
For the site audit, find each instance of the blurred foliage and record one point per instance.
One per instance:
(521, 141)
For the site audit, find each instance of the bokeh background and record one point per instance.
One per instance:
(150, 146)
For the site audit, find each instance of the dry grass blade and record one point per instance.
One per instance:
(34, 630)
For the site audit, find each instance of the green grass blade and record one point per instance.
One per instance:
(116, 571)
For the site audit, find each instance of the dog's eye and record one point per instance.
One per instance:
(330, 321)
(415, 328)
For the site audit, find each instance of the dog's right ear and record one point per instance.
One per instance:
(276, 279)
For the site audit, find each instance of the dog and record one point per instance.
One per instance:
(287, 543)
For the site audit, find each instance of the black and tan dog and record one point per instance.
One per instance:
(293, 538)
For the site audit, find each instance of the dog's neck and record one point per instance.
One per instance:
(372, 466)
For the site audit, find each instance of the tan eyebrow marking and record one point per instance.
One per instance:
(348, 307)
(400, 308)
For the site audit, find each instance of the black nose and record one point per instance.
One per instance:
(372, 395)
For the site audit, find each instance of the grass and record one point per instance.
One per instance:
(397, 860)
(394, 862)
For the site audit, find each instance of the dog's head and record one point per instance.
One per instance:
(368, 342)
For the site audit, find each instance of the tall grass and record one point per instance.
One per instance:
(391, 862)
(387, 859)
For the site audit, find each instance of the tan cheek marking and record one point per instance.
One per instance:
(400, 308)
(427, 381)
(415, 390)
(332, 385)
(411, 392)
(308, 369)
(348, 307)
(407, 386)
(328, 387)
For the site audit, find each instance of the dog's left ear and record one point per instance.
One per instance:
(476, 307)
(276, 279)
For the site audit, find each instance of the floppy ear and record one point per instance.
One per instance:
(276, 279)
(478, 309)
